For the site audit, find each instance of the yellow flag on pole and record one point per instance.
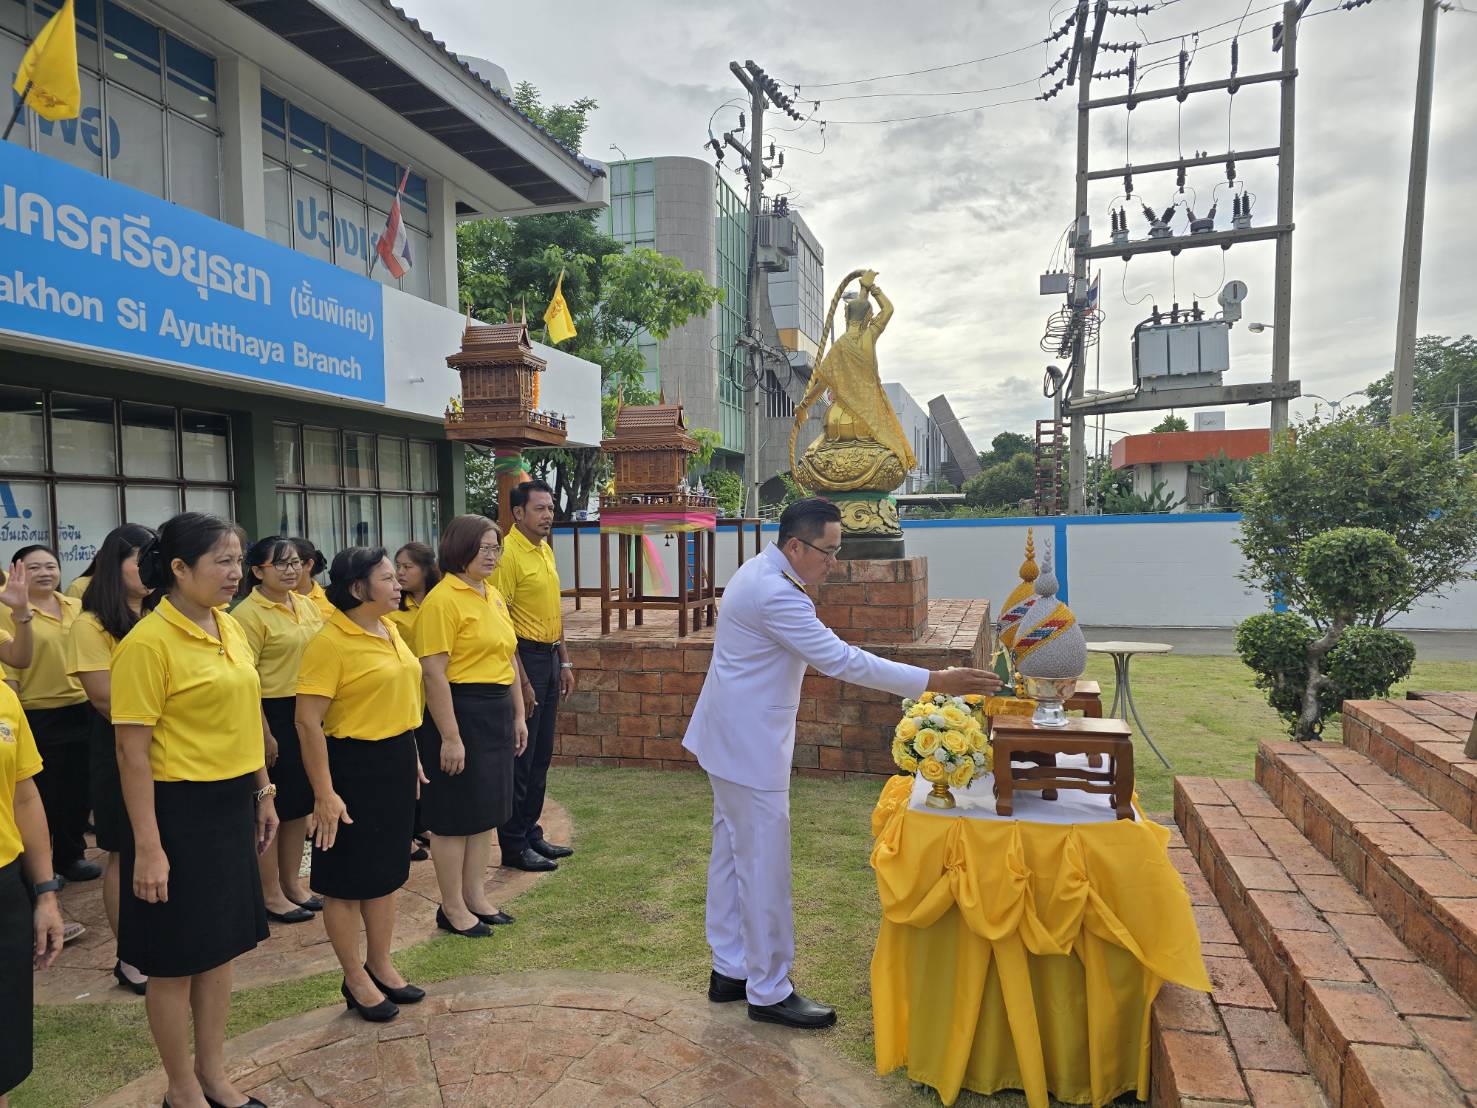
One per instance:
(49, 68)
(556, 316)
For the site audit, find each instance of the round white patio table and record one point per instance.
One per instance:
(1123, 704)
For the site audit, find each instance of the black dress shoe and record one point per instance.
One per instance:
(383, 1012)
(794, 1011)
(419, 854)
(139, 987)
(549, 850)
(295, 915)
(312, 904)
(405, 994)
(494, 919)
(82, 870)
(478, 930)
(249, 1102)
(722, 989)
(531, 861)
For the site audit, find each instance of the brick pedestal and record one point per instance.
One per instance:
(876, 601)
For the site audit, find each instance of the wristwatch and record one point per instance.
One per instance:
(50, 885)
(566, 665)
(265, 791)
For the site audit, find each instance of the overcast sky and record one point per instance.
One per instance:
(960, 214)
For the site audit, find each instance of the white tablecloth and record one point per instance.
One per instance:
(978, 801)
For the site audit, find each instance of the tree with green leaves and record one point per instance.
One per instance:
(614, 294)
(1222, 479)
(1445, 375)
(1005, 446)
(1171, 423)
(1004, 485)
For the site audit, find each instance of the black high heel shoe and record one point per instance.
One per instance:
(494, 919)
(403, 994)
(478, 930)
(249, 1102)
(383, 1012)
(139, 987)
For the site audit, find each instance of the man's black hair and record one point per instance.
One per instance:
(518, 497)
(806, 519)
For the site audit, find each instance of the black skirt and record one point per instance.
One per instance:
(294, 793)
(16, 938)
(215, 910)
(481, 796)
(108, 813)
(376, 781)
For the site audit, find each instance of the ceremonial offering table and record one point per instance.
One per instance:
(1017, 739)
(1023, 953)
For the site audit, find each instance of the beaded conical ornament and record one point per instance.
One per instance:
(1048, 642)
(1019, 602)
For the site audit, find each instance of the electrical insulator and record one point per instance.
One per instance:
(1154, 315)
(741, 121)
(1241, 220)
(1196, 312)
(1230, 171)
(1133, 65)
(1128, 183)
(1179, 178)
(1120, 226)
(1158, 227)
(1184, 72)
(1174, 312)
(782, 159)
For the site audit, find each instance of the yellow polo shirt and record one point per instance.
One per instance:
(278, 634)
(19, 760)
(199, 693)
(373, 685)
(89, 647)
(320, 600)
(529, 581)
(475, 630)
(404, 620)
(45, 683)
(78, 586)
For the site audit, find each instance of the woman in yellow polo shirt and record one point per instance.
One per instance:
(474, 724)
(358, 705)
(57, 708)
(112, 603)
(30, 937)
(15, 631)
(187, 709)
(278, 622)
(418, 574)
(307, 584)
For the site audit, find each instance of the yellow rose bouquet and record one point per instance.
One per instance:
(942, 738)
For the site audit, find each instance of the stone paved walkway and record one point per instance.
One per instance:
(557, 1040)
(84, 970)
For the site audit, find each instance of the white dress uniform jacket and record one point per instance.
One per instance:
(743, 728)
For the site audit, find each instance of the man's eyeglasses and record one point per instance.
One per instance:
(829, 554)
(291, 565)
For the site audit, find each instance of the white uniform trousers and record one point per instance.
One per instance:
(751, 927)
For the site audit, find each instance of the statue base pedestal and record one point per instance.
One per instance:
(876, 600)
(869, 547)
(869, 525)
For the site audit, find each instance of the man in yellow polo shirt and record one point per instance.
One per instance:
(529, 582)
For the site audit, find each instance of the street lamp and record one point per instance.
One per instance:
(619, 151)
(1258, 328)
(1333, 405)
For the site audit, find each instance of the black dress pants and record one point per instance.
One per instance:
(62, 738)
(531, 769)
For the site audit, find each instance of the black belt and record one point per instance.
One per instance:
(538, 647)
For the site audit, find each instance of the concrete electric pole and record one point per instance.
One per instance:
(1403, 398)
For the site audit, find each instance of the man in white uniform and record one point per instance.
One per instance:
(743, 734)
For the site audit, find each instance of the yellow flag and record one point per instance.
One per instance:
(50, 68)
(556, 316)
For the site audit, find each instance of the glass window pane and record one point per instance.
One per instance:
(79, 141)
(11, 52)
(150, 505)
(218, 502)
(307, 140)
(138, 159)
(85, 514)
(425, 519)
(646, 214)
(82, 435)
(320, 457)
(382, 178)
(148, 441)
(396, 510)
(278, 205)
(620, 208)
(312, 218)
(423, 466)
(194, 167)
(418, 281)
(274, 126)
(131, 51)
(358, 460)
(21, 428)
(345, 164)
(207, 443)
(351, 239)
(416, 204)
(190, 87)
(26, 518)
(13, 18)
(290, 518)
(392, 463)
(645, 176)
(364, 524)
(87, 39)
(326, 522)
(374, 224)
(288, 465)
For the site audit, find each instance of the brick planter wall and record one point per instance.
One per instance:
(876, 601)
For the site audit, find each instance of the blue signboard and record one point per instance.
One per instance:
(89, 261)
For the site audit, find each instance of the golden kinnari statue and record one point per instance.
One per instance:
(863, 453)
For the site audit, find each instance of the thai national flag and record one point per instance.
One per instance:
(393, 247)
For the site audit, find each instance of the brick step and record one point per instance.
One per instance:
(1422, 742)
(1415, 864)
(1378, 1027)
(1230, 1047)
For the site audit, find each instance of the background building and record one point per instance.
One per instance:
(189, 314)
(958, 459)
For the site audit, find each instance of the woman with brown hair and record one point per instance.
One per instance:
(474, 725)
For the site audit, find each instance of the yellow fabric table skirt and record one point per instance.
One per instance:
(1024, 955)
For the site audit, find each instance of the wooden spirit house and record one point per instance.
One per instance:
(499, 400)
(650, 447)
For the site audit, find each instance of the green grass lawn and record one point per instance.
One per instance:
(631, 901)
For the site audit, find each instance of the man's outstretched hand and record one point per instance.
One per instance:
(961, 682)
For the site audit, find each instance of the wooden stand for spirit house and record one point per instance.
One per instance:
(498, 407)
(650, 446)
(1016, 739)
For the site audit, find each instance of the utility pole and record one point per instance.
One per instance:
(1292, 14)
(1403, 397)
(1085, 49)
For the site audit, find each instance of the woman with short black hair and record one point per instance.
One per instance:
(112, 603)
(186, 706)
(358, 704)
